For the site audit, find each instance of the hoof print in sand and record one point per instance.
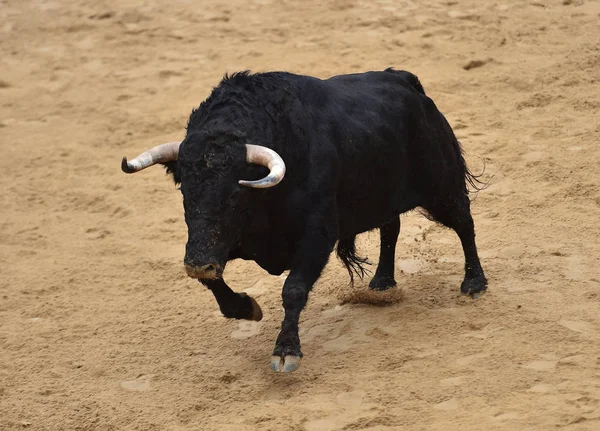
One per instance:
(141, 384)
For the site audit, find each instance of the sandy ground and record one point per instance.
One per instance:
(101, 330)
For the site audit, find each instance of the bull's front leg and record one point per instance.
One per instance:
(312, 256)
(233, 305)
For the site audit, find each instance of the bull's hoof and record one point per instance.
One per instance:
(382, 283)
(245, 307)
(475, 287)
(286, 356)
(285, 364)
(250, 310)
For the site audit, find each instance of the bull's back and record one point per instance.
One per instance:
(380, 124)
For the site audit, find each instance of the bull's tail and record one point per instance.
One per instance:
(346, 251)
(474, 180)
(471, 179)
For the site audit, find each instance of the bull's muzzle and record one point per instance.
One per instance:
(209, 271)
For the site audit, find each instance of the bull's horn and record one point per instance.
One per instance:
(268, 158)
(160, 154)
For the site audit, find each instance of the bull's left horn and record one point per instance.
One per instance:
(159, 154)
(266, 157)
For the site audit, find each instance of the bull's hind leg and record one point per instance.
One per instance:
(384, 276)
(457, 216)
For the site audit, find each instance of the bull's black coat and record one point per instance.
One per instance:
(360, 150)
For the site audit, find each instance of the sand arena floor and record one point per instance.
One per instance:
(101, 330)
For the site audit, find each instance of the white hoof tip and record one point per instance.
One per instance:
(286, 364)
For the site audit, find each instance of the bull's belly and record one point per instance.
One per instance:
(374, 189)
(354, 220)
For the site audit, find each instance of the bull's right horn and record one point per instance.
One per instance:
(159, 154)
(268, 158)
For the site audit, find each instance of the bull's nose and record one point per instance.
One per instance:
(210, 271)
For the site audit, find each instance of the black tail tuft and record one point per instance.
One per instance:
(474, 181)
(471, 179)
(346, 251)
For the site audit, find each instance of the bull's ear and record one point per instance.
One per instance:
(172, 168)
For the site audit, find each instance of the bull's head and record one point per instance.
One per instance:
(209, 171)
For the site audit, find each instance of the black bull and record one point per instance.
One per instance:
(358, 149)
